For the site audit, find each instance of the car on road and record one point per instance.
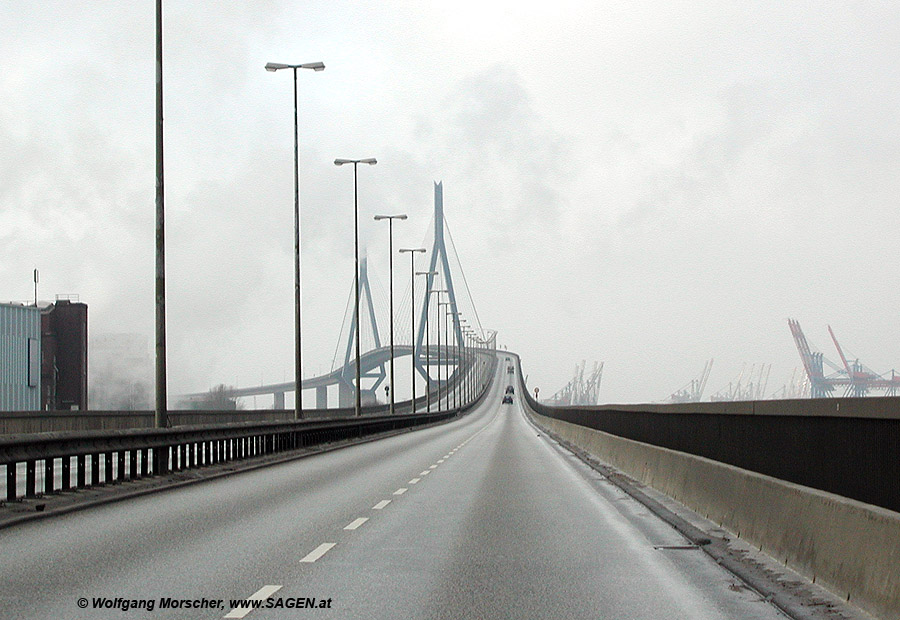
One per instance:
(510, 389)
(507, 400)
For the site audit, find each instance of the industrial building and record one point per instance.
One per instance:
(20, 357)
(43, 356)
(64, 346)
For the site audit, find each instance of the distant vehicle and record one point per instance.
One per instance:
(507, 400)
(510, 370)
(510, 389)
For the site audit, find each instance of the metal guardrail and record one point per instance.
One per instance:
(101, 457)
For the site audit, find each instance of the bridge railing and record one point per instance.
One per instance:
(46, 462)
(846, 446)
(81, 459)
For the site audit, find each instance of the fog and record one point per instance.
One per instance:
(649, 184)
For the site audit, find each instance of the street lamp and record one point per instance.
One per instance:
(446, 355)
(428, 346)
(340, 162)
(454, 322)
(390, 219)
(298, 355)
(412, 303)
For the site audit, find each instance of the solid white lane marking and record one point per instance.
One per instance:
(318, 552)
(260, 595)
(356, 523)
(381, 504)
(414, 480)
(400, 491)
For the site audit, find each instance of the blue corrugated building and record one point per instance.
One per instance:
(20, 358)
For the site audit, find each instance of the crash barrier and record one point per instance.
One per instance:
(846, 446)
(68, 460)
(848, 546)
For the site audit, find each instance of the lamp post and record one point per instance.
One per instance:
(428, 346)
(454, 322)
(390, 219)
(160, 288)
(298, 355)
(446, 353)
(412, 303)
(340, 162)
(462, 356)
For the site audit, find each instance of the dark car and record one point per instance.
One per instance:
(510, 370)
(510, 389)
(507, 400)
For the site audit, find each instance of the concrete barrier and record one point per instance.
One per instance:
(848, 547)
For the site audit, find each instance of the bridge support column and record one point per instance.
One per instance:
(346, 395)
(322, 397)
(279, 400)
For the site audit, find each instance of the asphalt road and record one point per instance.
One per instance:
(480, 518)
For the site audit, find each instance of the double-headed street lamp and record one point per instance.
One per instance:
(426, 329)
(446, 354)
(390, 219)
(298, 368)
(454, 322)
(428, 345)
(412, 297)
(340, 162)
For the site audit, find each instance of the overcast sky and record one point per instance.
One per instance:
(651, 184)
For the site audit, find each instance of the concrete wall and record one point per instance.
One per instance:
(849, 547)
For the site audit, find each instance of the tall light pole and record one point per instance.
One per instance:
(161, 406)
(412, 302)
(446, 356)
(340, 162)
(454, 323)
(462, 355)
(298, 355)
(428, 346)
(390, 219)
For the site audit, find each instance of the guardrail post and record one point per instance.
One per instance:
(10, 482)
(30, 477)
(66, 473)
(80, 471)
(48, 475)
(95, 469)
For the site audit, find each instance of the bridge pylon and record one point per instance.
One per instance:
(438, 259)
(346, 393)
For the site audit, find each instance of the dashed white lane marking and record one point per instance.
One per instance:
(414, 480)
(381, 504)
(443, 459)
(400, 491)
(260, 595)
(318, 552)
(425, 473)
(356, 523)
(432, 467)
